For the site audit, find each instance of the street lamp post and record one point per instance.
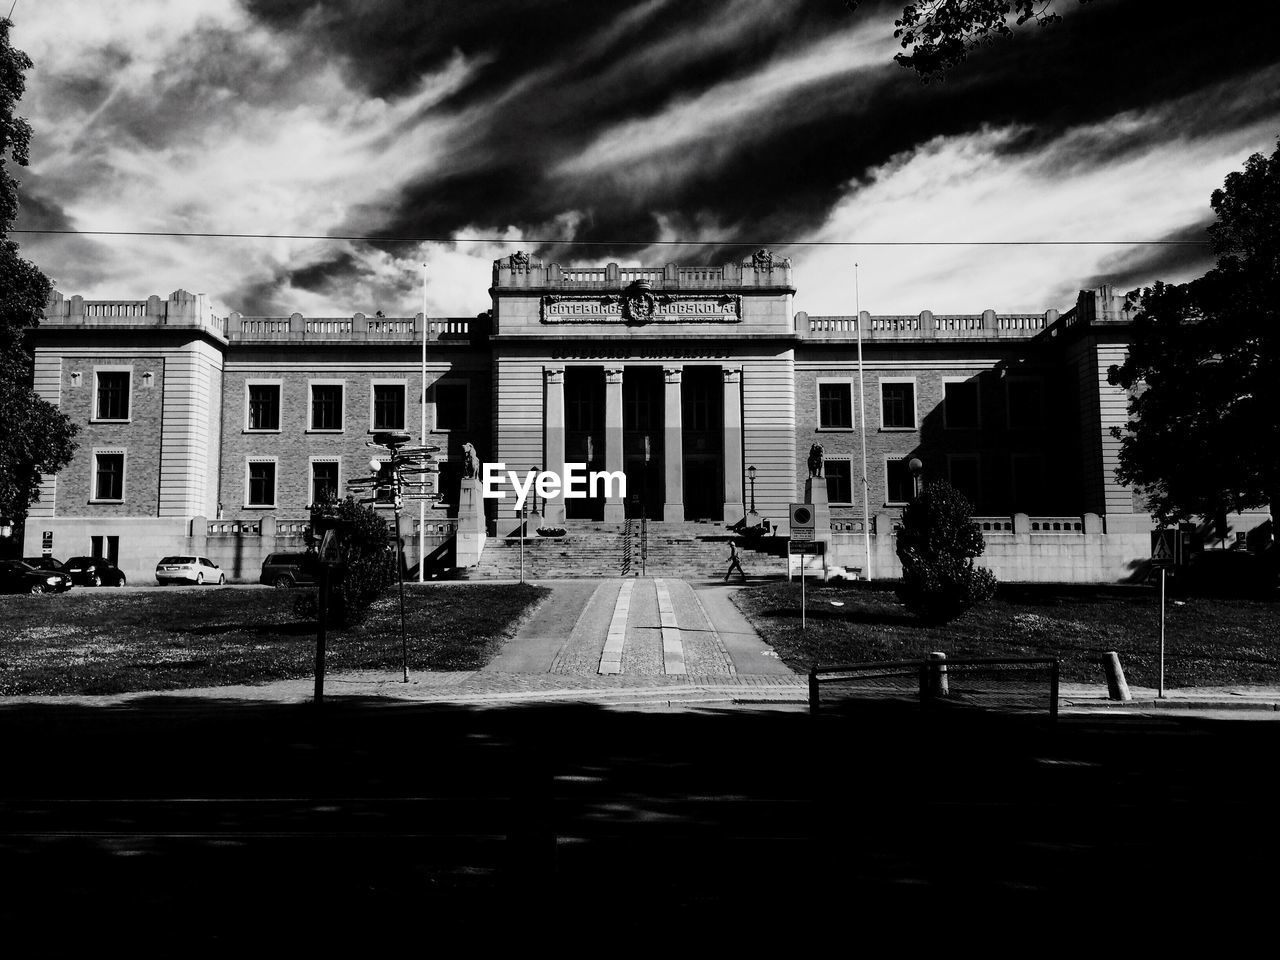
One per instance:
(916, 468)
(751, 475)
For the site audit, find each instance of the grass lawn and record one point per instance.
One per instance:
(101, 641)
(1208, 642)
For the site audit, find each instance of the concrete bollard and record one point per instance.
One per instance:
(1117, 689)
(937, 674)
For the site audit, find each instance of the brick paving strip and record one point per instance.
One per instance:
(672, 645)
(611, 658)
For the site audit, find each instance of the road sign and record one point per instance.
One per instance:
(813, 548)
(1164, 548)
(46, 543)
(802, 524)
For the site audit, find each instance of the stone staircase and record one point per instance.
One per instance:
(689, 550)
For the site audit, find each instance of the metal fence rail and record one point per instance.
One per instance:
(1011, 683)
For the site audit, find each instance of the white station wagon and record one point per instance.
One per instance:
(188, 570)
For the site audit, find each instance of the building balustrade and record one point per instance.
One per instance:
(358, 327)
(924, 325)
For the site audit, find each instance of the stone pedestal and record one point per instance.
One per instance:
(815, 492)
(471, 529)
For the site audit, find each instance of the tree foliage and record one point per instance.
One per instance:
(937, 545)
(35, 436)
(939, 34)
(1204, 366)
(367, 559)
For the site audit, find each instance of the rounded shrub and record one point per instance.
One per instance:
(937, 545)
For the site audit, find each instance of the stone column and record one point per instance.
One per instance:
(614, 508)
(673, 447)
(553, 427)
(733, 507)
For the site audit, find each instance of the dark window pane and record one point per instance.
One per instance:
(899, 404)
(835, 405)
(113, 395)
(964, 477)
(839, 481)
(961, 405)
(1025, 404)
(451, 406)
(262, 484)
(326, 406)
(109, 483)
(388, 406)
(1028, 482)
(324, 482)
(264, 406)
(898, 478)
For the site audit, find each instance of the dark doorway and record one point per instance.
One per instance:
(642, 441)
(106, 547)
(702, 419)
(584, 433)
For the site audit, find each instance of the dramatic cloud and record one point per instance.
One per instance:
(587, 132)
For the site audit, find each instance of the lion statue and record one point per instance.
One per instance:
(470, 462)
(815, 460)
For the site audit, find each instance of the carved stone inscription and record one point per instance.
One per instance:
(646, 308)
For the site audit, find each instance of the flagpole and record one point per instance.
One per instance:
(862, 419)
(422, 406)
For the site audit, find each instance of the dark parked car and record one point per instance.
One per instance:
(19, 577)
(94, 572)
(45, 563)
(285, 570)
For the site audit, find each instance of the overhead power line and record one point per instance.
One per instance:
(569, 241)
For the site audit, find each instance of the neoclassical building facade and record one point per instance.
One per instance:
(704, 385)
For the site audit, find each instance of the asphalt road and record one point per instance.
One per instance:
(193, 826)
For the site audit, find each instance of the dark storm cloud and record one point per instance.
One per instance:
(1143, 265)
(553, 79)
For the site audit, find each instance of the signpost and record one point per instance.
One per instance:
(1165, 550)
(802, 542)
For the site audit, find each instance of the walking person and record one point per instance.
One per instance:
(734, 563)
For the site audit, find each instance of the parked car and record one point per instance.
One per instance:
(285, 570)
(189, 570)
(93, 572)
(19, 577)
(45, 563)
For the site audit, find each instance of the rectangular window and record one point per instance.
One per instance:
(324, 481)
(839, 481)
(262, 483)
(835, 406)
(326, 406)
(898, 405)
(108, 476)
(1028, 482)
(897, 477)
(1025, 397)
(960, 405)
(113, 395)
(962, 473)
(451, 406)
(264, 406)
(388, 406)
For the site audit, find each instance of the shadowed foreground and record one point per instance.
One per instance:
(177, 826)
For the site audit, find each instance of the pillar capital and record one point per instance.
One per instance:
(732, 374)
(613, 374)
(554, 374)
(672, 374)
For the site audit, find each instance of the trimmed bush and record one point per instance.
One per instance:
(368, 557)
(937, 546)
